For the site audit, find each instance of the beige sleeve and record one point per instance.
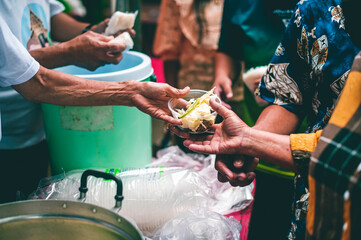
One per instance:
(168, 35)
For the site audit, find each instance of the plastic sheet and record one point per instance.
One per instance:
(175, 183)
(152, 196)
(120, 21)
(227, 199)
(199, 224)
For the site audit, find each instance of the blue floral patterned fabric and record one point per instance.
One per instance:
(307, 74)
(311, 64)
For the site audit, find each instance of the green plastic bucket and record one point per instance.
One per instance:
(105, 136)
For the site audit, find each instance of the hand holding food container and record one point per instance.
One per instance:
(194, 111)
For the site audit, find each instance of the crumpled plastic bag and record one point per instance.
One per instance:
(227, 199)
(120, 21)
(198, 225)
(152, 196)
(124, 38)
(156, 194)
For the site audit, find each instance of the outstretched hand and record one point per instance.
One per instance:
(152, 98)
(227, 138)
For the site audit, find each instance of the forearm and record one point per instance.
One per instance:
(225, 66)
(271, 147)
(63, 89)
(277, 119)
(269, 139)
(53, 56)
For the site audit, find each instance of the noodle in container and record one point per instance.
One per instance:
(194, 111)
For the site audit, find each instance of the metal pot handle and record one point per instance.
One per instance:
(83, 182)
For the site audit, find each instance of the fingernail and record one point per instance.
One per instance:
(238, 163)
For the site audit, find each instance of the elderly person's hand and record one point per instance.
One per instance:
(152, 98)
(92, 50)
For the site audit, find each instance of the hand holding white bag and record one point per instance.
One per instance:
(120, 21)
(124, 38)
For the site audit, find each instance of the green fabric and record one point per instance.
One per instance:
(252, 30)
(66, 5)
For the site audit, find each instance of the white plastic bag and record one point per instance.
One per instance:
(124, 38)
(152, 196)
(199, 224)
(120, 21)
(227, 199)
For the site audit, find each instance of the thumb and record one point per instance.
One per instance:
(177, 93)
(220, 109)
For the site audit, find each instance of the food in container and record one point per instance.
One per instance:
(194, 110)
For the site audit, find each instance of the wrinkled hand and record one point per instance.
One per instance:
(152, 98)
(92, 50)
(227, 138)
(236, 169)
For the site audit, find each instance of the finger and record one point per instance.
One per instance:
(222, 178)
(218, 91)
(99, 37)
(239, 163)
(220, 109)
(192, 141)
(168, 119)
(115, 47)
(228, 90)
(250, 164)
(240, 180)
(178, 132)
(227, 105)
(200, 148)
(243, 179)
(131, 32)
(100, 28)
(176, 93)
(114, 58)
(253, 164)
(240, 183)
(222, 167)
(251, 176)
